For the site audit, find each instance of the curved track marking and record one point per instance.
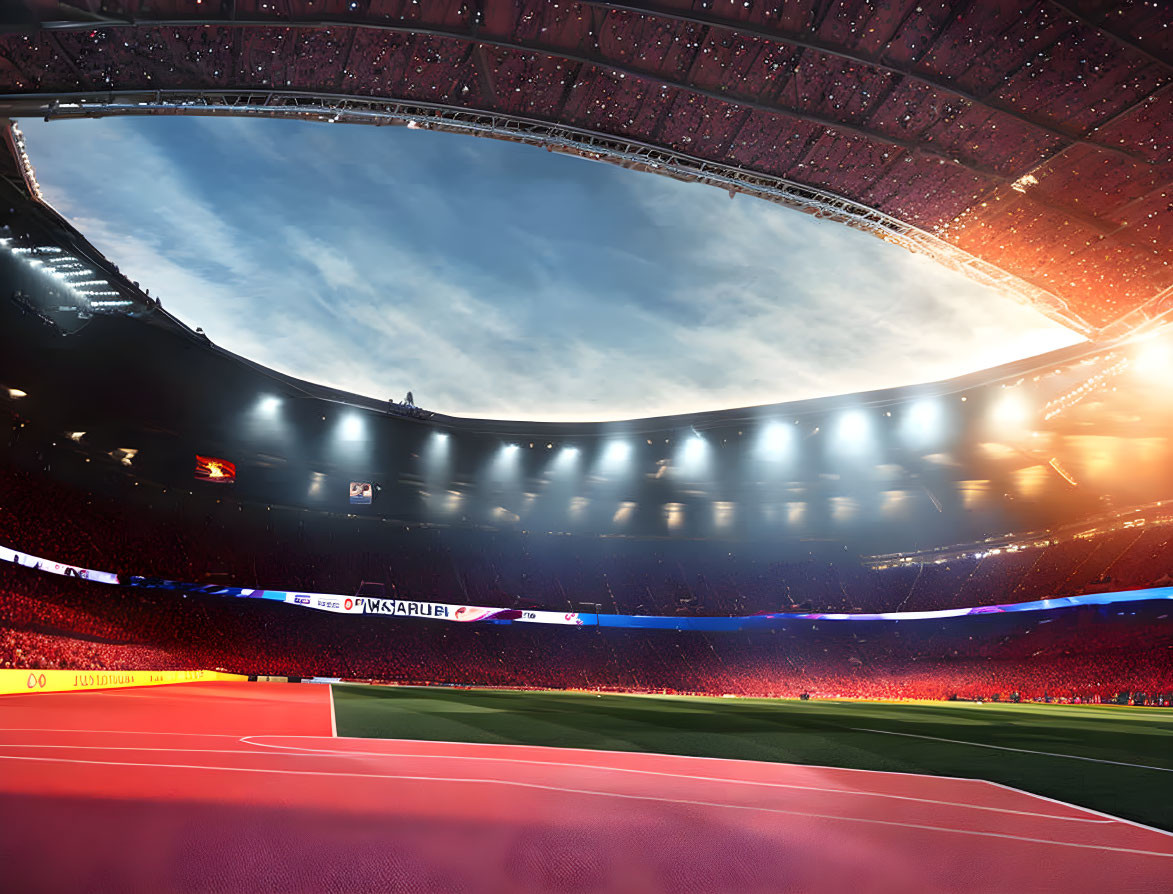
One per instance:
(690, 776)
(497, 760)
(593, 793)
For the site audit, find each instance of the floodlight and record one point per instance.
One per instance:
(614, 460)
(775, 439)
(853, 427)
(923, 423)
(565, 459)
(1154, 360)
(617, 452)
(351, 428)
(1011, 410)
(692, 457)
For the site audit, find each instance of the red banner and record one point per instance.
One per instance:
(209, 468)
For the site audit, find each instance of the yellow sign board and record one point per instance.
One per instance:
(16, 681)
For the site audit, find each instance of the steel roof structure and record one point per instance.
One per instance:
(1028, 143)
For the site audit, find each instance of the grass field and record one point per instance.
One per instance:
(1116, 760)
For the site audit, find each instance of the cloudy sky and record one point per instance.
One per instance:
(505, 281)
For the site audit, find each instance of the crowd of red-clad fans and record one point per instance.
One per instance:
(1086, 654)
(49, 621)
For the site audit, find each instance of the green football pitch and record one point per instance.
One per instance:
(1112, 759)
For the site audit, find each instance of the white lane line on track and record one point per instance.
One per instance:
(1117, 819)
(333, 716)
(506, 760)
(573, 749)
(612, 751)
(1074, 757)
(573, 791)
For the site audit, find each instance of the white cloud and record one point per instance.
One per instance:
(497, 280)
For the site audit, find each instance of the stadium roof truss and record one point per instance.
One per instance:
(1026, 143)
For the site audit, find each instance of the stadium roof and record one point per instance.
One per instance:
(1026, 143)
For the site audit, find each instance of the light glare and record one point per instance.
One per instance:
(352, 427)
(776, 437)
(923, 422)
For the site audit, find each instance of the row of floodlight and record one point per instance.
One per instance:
(852, 433)
(69, 272)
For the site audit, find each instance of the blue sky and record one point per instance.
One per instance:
(506, 281)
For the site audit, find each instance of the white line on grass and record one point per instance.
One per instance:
(1074, 757)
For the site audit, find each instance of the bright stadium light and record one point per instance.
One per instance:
(853, 427)
(692, 456)
(437, 452)
(1154, 360)
(614, 460)
(776, 439)
(268, 406)
(505, 466)
(852, 434)
(565, 461)
(923, 423)
(618, 452)
(351, 427)
(1011, 411)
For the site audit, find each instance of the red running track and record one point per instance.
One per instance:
(240, 787)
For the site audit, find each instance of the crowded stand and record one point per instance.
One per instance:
(1082, 654)
(1051, 164)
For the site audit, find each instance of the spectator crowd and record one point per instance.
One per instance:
(48, 621)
